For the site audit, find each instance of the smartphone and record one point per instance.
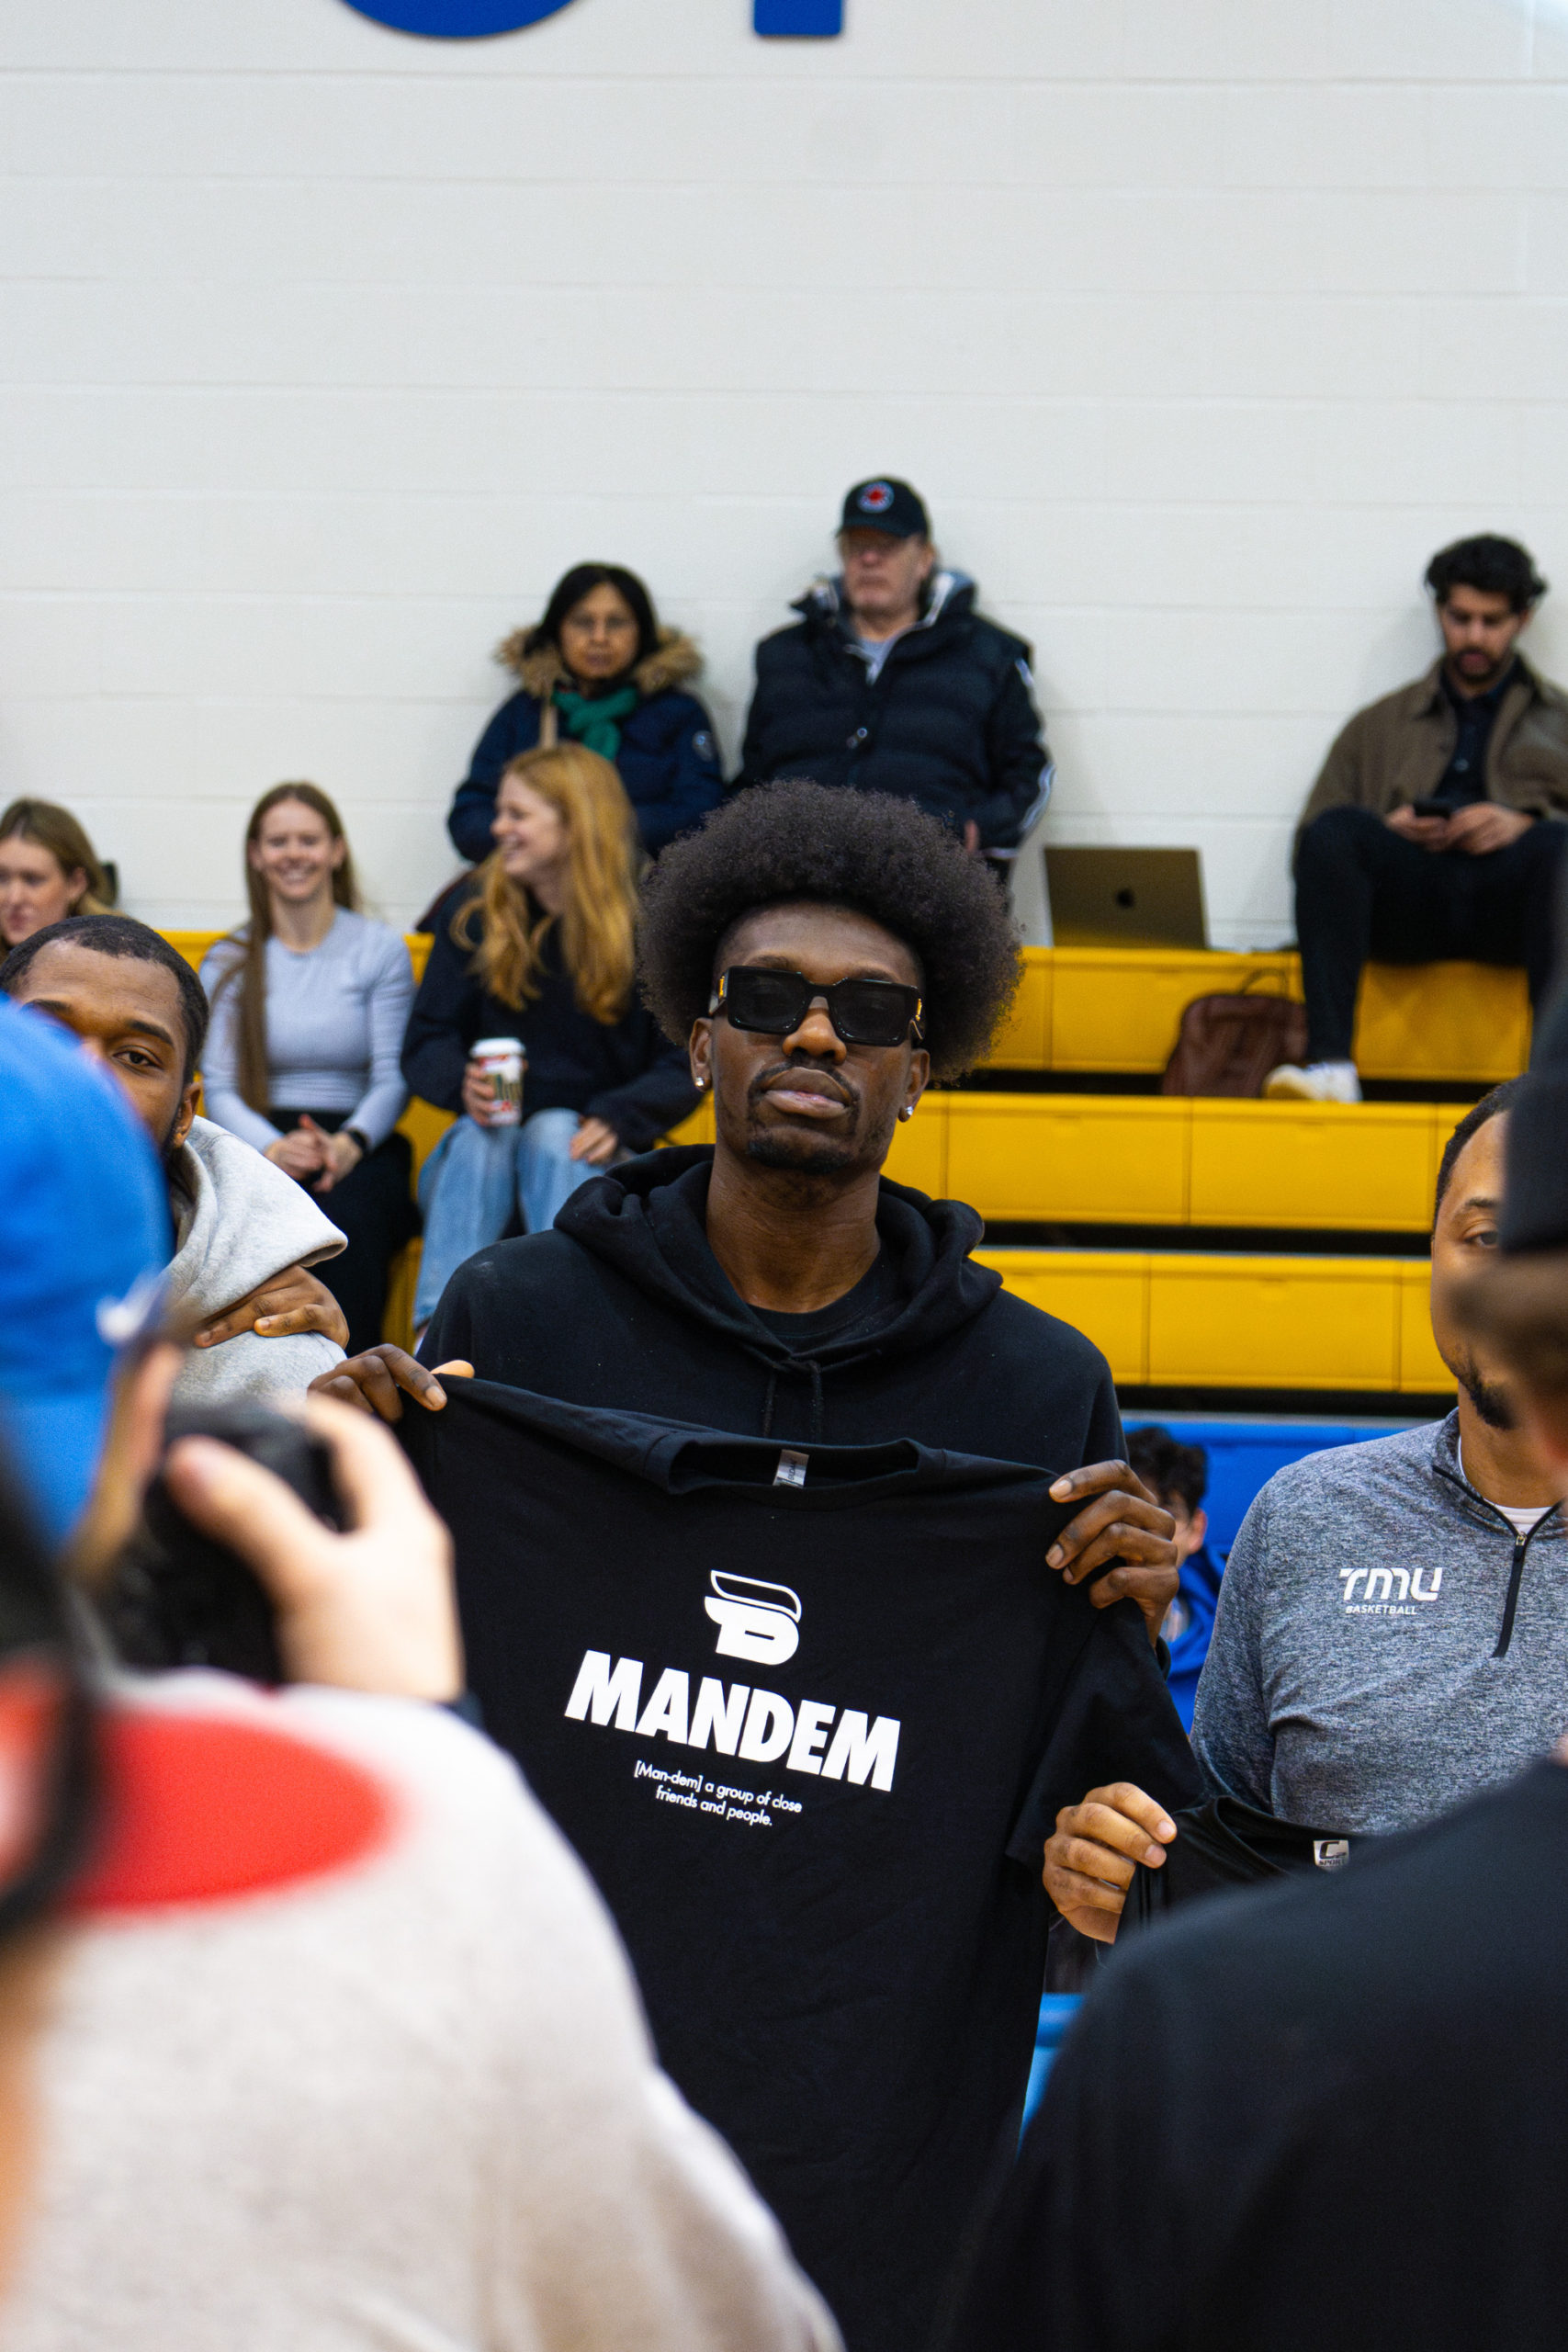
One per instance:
(176, 1598)
(1430, 809)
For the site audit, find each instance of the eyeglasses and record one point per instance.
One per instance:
(863, 1012)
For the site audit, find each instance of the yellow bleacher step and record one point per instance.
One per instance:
(1190, 1319)
(1119, 1009)
(1170, 1160)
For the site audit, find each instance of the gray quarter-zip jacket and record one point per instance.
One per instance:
(1385, 1645)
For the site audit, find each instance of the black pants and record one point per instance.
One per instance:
(1363, 891)
(373, 1204)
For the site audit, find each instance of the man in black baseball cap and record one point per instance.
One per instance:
(889, 506)
(892, 681)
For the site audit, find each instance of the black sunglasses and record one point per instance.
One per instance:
(863, 1012)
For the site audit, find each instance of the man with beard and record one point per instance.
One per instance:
(244, 1232)
(1389, 1639)
(1436, 827)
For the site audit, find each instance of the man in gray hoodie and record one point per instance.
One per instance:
(1392, 1627)
(244, 1232)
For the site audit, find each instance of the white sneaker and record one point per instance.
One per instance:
(1319, 1082)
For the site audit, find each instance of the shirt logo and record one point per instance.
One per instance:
(1380, 1599)
(875, 498)
(756, 1620)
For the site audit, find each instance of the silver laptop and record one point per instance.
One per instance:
(1126, 898)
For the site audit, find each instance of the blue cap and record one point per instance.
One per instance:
(84, 1228)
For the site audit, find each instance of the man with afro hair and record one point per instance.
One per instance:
(775, 1282)
(850, 1994)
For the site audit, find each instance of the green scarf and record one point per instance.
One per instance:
(597, 723)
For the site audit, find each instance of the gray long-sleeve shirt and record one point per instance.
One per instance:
(1354, 1682)
(335, 1018)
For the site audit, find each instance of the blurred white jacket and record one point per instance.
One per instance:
(402, 2100)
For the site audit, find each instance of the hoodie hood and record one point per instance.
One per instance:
(646, 1221)
(674, 663)
(238, 1220)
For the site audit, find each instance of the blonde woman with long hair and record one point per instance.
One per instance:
(537, 944)
(309, 1000)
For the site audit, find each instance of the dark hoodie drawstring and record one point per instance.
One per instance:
(802, 1364)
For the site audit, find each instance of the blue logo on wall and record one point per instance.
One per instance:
(476, 19)
(457, 19)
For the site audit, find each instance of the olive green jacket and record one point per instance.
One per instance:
(1396, 750)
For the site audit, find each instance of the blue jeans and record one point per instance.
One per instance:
(473, 1179)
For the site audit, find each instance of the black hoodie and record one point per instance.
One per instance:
(625, 1305)
(845, 1979)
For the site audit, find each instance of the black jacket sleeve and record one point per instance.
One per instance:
(442, 1023)
(649, 1105)
(696, 782)
(784, 685)
(753, 747)
(1017, 759)
(514, 727)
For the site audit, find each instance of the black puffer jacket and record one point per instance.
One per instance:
(950, 722)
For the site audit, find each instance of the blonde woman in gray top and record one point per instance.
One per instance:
(309, 1000)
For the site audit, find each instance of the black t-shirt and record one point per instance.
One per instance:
(1464, 778)
(1221, 1845)
(874, 1302)
(807, 1715)
(1329, 2116)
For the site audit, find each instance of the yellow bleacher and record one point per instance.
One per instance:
(1185, 1318)
(1189, 1319)
(1093, 1009)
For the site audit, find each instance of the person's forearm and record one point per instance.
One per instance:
(378, 1110)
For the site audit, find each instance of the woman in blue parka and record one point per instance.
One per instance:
(598, 670)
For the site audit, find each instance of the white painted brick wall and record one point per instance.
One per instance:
(323, 351)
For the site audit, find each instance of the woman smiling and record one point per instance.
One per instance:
(48, 870)
(308, 1002)
(540, 951)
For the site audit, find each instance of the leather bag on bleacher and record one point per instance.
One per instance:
(1228, 1045)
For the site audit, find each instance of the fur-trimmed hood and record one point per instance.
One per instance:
(674, 662)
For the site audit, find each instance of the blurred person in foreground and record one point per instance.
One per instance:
(597, 669)
(333, 2044)
(1392, 1634)
(310, 1002)
(49, 870)
(244, 1236)
(1178, 1476)
(1334, 2113)
(539, 945)
(1437, 826)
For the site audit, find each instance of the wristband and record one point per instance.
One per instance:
(358, 1135)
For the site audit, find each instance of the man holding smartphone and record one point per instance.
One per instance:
(1436, 827)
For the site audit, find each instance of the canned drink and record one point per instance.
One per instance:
(503, 1061)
